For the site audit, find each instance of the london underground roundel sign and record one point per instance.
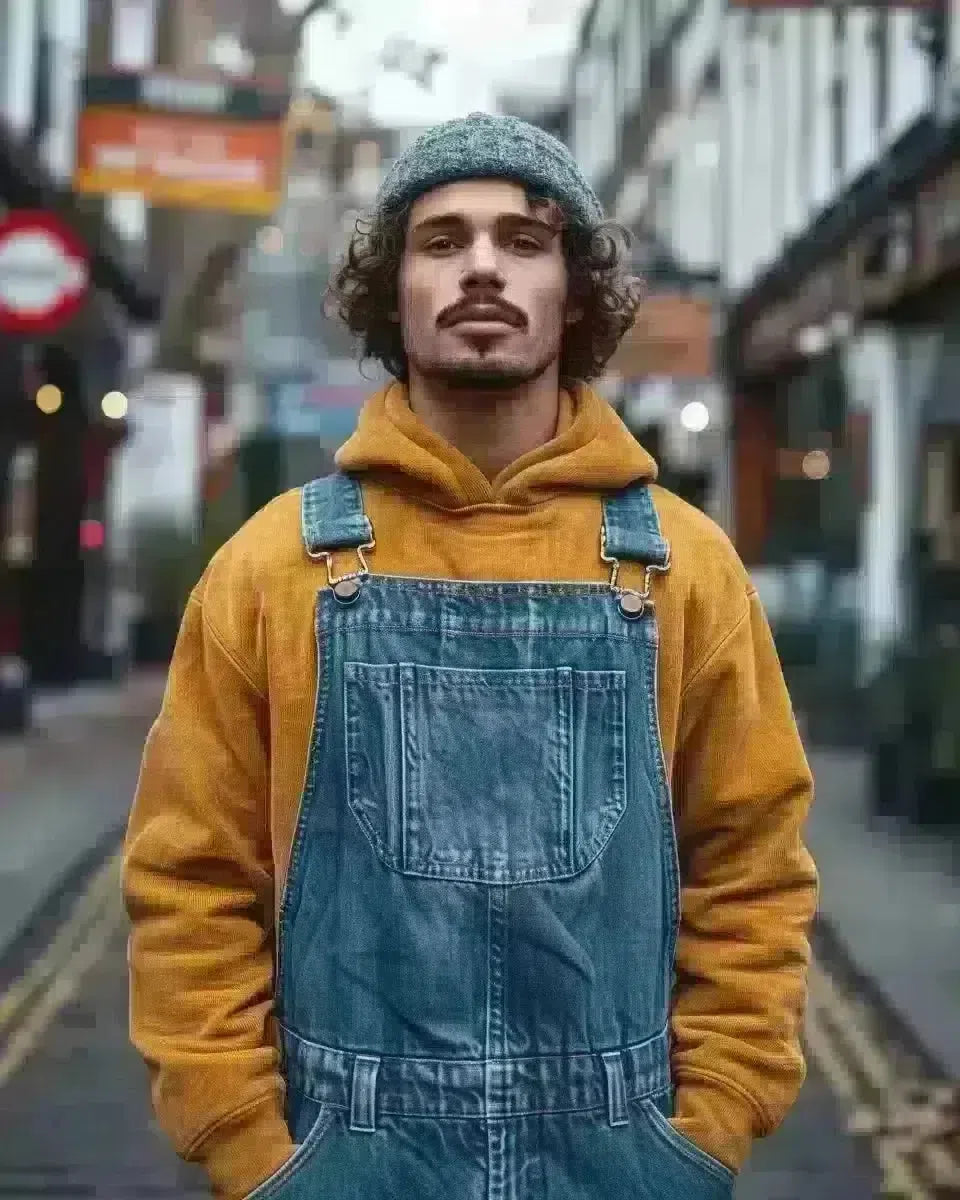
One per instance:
(44, 272)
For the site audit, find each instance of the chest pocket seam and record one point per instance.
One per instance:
(485, 776)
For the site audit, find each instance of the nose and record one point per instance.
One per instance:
(482, 266)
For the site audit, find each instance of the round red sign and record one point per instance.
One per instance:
(44, 272)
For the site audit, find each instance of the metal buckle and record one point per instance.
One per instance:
(327, 557)
(648, 572)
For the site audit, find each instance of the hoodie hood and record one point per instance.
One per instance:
(592, 451)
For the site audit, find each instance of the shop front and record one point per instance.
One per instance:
(63, 347)
(846, 386)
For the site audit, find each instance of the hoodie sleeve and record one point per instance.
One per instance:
(199, 894)
(749, 892)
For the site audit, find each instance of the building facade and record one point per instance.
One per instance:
(645, 107)
(805, 159)
(841, 128)
(56, 439)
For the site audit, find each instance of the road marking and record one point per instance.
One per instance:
(903, 1131)
(103, 888)
(873, 1063)
(858, 1068)
(63, 987)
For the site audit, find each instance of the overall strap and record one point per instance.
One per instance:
(631, 528)
(332, 516)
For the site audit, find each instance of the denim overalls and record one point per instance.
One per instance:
(477, 936)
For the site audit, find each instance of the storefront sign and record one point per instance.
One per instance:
(671, 337)
(44, 273)
(163, 92)
(182, 143)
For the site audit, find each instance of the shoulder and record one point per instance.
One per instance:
(708, 586)
(698, 545)
(266, 543)
(235, 588)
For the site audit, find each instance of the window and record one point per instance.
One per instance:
(838, 90)
(880, 39)
(5, 42)
(805, 139)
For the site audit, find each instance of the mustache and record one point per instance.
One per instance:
(457, 312)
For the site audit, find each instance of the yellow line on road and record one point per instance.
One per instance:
(830, 1024)
(824, 1054)
(61, 990)
(101, 891)
(875, 1065)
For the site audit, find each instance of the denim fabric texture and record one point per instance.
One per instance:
(477, 936)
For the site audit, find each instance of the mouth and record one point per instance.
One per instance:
(484, 316)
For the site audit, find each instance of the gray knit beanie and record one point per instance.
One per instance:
(482, 146)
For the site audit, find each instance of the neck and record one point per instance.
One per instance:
(494, 428)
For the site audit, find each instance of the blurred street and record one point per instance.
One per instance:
(74, 1096)
(180, 181)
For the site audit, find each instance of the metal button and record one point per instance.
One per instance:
(346, 590)
(631, 604)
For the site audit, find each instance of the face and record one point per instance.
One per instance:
(483, 286)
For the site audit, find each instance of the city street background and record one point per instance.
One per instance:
(178, 181)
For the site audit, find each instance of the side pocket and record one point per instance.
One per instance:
(710, 1169)
(272, 1187)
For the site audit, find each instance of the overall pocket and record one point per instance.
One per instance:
(683, 1162)
(281, 1185)
(486, 776)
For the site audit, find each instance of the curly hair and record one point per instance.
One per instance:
(364, 290)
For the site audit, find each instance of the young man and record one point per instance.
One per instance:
(466, 856)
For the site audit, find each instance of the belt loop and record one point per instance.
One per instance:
(616, 1089)
(363, 1095)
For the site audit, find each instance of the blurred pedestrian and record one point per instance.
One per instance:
(466, 856)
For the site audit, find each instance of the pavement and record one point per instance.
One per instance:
(891, 901)
(76, 1116)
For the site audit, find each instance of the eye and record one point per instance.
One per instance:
(440, 245)
(525, 244)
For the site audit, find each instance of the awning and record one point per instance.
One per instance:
(26, 183)
(923, 148)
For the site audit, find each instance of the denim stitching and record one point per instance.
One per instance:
(565, 860)
(306, 800)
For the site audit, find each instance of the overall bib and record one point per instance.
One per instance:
(476, 941)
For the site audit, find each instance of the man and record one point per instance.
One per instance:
(466, 856)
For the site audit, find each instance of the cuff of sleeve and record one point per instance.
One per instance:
(718, 1119)
(245, 1149)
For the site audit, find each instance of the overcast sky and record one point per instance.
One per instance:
(489, 43)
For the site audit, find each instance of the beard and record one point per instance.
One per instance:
(482, 377)
(488, 374)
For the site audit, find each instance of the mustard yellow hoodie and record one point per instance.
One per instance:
(211, 828)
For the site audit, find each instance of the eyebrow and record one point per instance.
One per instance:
(460, 221)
